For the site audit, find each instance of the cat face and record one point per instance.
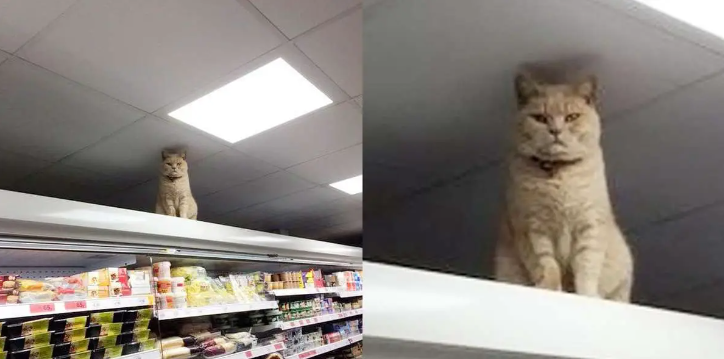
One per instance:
(174, 165)
(556, 122)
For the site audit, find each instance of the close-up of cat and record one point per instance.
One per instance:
(558, 229)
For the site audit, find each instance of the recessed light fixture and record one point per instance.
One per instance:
(264, 98)
(704, 14)
(351, 185)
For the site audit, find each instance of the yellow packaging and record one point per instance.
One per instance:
(97, 291)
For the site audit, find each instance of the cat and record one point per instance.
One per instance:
(558, 229)
(174, 190)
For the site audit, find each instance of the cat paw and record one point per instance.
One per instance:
(549, 277)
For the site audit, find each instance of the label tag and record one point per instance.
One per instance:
(75, 305)
(42, 308)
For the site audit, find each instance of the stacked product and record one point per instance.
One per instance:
(208, 343)
(98, 336)
(179, 287)
(293, 280)
(104, 283)
(313, 307)
(297, 342)
(338, 331)
(9, 293)
(347, 280)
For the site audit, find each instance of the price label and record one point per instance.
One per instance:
(307, 321)
(116, 303)
(248, 354)
(350, 340)
(340, 315)
(75, 305)
(42, 308)
(314, 320)
(278, 346)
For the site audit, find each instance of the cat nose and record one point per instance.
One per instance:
(554, 131)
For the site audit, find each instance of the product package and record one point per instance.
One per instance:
(27, 328)
(92, 331)
(45, 352)
(29, 342)
(107, 317)
(62, 325)
(137, 315)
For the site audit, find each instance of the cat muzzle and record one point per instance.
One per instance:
(552, 166)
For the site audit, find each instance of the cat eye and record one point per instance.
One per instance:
(572, 117)
(539, 117)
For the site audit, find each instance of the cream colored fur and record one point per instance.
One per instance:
(174, 190)
(558, 229)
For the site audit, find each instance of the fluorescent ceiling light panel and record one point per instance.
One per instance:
(351, 185)
(704, 14)
(264, 98)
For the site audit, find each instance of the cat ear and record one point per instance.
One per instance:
(588, 89)
(183, 155)
(525, 88)
(165, 154)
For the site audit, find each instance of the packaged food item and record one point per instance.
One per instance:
(205, 335)
(28, 342)
(2, 341)
(221, 349)
(179, 300)
(97, 353)
(97, 291)
(138, 336)
(107, 317)
(3, 355)
(165, 301)
(109, 341)
(115, 289)
(180, 352)
(257, 319)
(131, 348)
(78, 346)
(111, 329)
(273, 316)
(112, 352)
(164, 285)
(13, 298)
(45, 352)
(174, 342)
(212, 342)
(162, 270)
(62, 325)
(81, 355)
(27, 328)
(141, 324)
(137, 314)
(149, 344)
(178, 284)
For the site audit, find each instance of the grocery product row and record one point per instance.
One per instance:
(98, 335)
(223, 335)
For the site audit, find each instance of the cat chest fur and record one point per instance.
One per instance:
(555, 207)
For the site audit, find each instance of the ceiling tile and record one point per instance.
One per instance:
(332, 168)
(337, 219)
(310, 213)
(296, 202)
(49, 117)
(661, 148)
(306, 138)
(21, 20)
(260, 190)
(337, 49)
(294, 17)
(226, 169)
(15, 167)
(61, 181)
(332, 232)
(135, 152)
(171, 49)
(432, 85)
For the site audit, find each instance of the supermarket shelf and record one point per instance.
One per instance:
(28, 221)
(49, 308)
(326, 348)
(256, 352)
(166, 314)
(150, 354)
(308, 291)
(480, 318)
(349, 293)
(303, 291)
(320, 319)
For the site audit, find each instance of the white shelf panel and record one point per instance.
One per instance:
(166, 314)
(256, 352)
(498, 320)
(326, 348)
(320, 319)
(349, 293)
(303, 291)
(49, 308)
(150, 354)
